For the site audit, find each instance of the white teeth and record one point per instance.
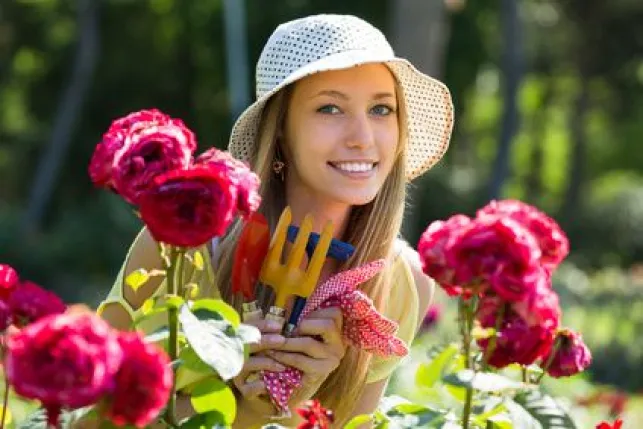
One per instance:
(355, 166)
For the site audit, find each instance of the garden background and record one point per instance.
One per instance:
(549, 109)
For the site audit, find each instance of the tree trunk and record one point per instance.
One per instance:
(533, 185)
(68, 113)
(577, 126)
(512, 69)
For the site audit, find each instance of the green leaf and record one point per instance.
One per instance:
(499, 422)
(544, 409)
(193, 362)
(483, 381)
(137, 278)
(210, 420)
(214, 395)
(357, 421)
(215, 309)
(198, 261)
(429, 373)
(211, 341)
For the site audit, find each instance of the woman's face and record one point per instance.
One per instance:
(341, 133)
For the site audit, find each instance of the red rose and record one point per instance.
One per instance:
(431, 317)
(516, 341)
(8, 281)
(5, 316)
(498, 252)
(101, 164)
(605, 425)
(571, 356)
(148, 153)
(246, 182)
(552, 240)
(431, 249)
(29, 303)
(187, 208)
(315, 416)
(541, 306)
(65, 361)
(142, 383)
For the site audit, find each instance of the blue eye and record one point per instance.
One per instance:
(329, 109)
(382, 110)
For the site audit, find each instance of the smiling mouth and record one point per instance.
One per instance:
(354, 167)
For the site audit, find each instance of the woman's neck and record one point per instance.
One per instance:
(322, 213)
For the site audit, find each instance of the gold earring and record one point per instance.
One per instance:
(278, 168)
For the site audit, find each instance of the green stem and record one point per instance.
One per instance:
(5, 401)
(525, 374)
(173, 324)
(467, 313)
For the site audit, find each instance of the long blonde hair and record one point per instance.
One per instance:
(371, 228)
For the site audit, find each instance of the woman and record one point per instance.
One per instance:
(339, 128)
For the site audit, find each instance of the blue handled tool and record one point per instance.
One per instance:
(338, 250)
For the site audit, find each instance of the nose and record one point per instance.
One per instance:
(360, 132)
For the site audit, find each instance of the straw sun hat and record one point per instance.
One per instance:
(305, 46)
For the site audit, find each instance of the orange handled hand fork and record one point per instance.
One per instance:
(290, 279)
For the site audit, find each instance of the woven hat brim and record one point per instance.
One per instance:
(427, 100)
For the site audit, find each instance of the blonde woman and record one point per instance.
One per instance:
(339, 129)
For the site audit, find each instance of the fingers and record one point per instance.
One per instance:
(334, 313)
(252, 389)
(326, 323)
(266, 326)
(306, 345)
(262, 363)
(310, 366)
(268, 341)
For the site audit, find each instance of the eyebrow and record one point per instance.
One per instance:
(339, 94)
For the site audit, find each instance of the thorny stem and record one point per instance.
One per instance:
(467, 312)
(492, 341)
(173, 273)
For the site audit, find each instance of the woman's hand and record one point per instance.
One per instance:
(247, 383)
(316, 349)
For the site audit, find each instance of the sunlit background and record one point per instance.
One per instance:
(549, 109)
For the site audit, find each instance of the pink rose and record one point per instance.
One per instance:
(245, 181)
(142, 383)
(516, 341)
(552, 240)
(64, 361)
(29, 303)
(498, 252)
(102, 163)
(148, 153)
(541, 306)
(187, 208)
(571, 357)
(432, 251)
(8, 281)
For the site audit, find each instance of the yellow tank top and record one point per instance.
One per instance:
(402, 307)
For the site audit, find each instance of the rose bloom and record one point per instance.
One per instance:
(149, 153)
(142, 383)
(431, 249)
(29, 303)
(497, 251)
(187, 208)
(552, 240)
(571, 357)
(541, 306)
(245, 181)
(315, 416)
(8, 281)
(516, 341)
(101, 164)
(64, 361)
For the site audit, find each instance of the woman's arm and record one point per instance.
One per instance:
(144, 254)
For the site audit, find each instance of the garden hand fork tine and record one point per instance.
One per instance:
(296, 255)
